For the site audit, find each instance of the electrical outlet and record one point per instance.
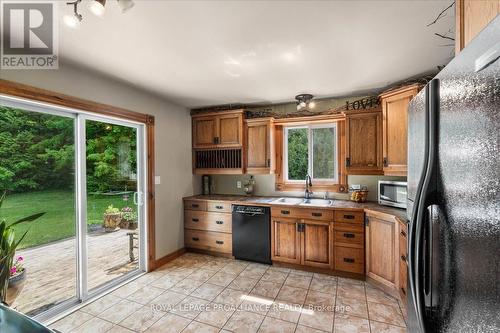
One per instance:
(238, 184)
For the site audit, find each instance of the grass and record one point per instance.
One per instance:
(59, 219)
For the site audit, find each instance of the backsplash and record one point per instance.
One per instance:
(227, 184)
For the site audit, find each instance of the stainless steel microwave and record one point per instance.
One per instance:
(392, 193)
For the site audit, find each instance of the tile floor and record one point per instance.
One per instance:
(200, 293)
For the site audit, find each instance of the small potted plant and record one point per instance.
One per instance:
(8, 245)
(129, 218)
(112, 218)
(16, 280)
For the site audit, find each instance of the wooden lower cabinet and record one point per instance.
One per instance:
(381, 252)
(208, 226)
(285, 240)
(349, 259)
(316, 242)
(208, 240)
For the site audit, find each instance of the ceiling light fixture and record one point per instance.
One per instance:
(74, 19)
(97, 7)
(125, 5)
(304, 101)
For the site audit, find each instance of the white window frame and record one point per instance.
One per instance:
(310, 153)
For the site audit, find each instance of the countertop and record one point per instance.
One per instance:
(368, 207)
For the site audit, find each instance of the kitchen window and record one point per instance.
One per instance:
(313, 150)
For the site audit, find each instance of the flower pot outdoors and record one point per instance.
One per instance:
(132, 225)
(16, 285)
(111, 221)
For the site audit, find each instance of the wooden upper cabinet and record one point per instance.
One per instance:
(395, 129)
(230, 130)
(204, 129)
(364, 143)
(317, 244)
(471, 17)
(285, 240)
(218, 129)
(381, 251)
(260, 145)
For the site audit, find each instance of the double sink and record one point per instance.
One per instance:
(303, 202)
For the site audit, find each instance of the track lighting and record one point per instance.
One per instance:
(304, 101)
(97, 7)
(125, 5)
(74, 19)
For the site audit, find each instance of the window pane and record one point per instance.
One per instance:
(297, 153)
(323, 153)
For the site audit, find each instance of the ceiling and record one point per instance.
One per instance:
(199, 53)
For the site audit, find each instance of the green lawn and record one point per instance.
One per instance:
(59, 219)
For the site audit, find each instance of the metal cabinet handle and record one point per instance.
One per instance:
(219, 207)
(347, 162)
(403, 257)
(403, 290)
(195, 239)
(349, 235)
(285, 212)
(219, 242)
(195, 220)
(403, 233)
(317, 214)
(349, 260)
(349, 217)
(219, 222)
(195, 206)
(386, 162)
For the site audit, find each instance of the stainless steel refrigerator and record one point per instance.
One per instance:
(453, 194)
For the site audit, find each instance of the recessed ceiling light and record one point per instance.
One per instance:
(97, 7)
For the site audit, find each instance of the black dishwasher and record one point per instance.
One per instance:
(252, 233)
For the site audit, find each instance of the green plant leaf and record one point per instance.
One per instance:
(28, 219)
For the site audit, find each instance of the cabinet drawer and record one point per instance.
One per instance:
(195, 205)
(349, 239)
(207, 221)
(302, 213)
(349, 227)
(349, 216)
(208, 240)
(349, 259)
(219, 206)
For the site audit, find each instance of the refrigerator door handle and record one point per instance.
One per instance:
(412, 244)
(422, 202)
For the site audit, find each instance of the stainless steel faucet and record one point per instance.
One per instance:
(308, 184)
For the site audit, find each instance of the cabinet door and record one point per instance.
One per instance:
(285, 241)
(381, 263)
(204, 132)
(317, 244)
(364, 143)
(259, 147)
(229, 130)
(472, 17)
(395, 131)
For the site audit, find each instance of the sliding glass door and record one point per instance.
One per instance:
(37, 172)
(87, 173)
(113, 201)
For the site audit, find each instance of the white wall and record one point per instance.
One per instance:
(172, 137)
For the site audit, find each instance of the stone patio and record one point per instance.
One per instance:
(51, 269)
